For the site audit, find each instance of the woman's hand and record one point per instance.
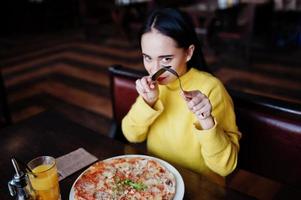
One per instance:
(200, 105)
(148, 89)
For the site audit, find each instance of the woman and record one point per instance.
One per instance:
(196, 128)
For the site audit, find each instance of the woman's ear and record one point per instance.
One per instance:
(190, 51)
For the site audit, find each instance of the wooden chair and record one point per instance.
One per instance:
(271, 129)
(4, 109)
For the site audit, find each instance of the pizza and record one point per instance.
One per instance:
(125, 178)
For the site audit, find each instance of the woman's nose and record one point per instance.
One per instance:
(156, 68)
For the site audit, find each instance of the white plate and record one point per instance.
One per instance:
(180, 188)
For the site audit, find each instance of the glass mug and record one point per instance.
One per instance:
(45, 182)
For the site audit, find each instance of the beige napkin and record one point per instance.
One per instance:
(73, 161)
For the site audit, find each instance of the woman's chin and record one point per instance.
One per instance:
(166, 81)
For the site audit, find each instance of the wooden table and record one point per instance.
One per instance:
(52, 134)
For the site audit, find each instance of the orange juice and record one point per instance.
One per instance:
(46, 182)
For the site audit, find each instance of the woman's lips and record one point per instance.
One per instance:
(160, 79)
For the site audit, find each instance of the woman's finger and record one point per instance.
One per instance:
(145, 84)
(197, 99)
(139, 87)
(191, 103)
(200, 105)
(189, 95)
(152, 84)
(192, 93)
(204, 112)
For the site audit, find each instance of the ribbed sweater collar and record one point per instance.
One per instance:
(185, 78)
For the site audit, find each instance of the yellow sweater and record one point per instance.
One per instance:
(174, 134)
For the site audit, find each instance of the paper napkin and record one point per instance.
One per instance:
(73, 161)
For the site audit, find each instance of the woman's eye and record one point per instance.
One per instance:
(147, 58)
(166, 60)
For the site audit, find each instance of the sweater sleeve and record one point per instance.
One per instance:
(136, 123)
(220, 144)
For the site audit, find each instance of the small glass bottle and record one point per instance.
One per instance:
(20, 186)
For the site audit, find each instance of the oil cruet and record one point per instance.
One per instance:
(19, 186)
